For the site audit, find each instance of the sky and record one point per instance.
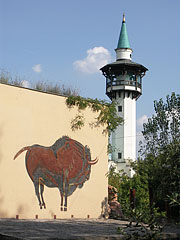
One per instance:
(67, 42)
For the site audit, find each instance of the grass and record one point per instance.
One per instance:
(6, 78)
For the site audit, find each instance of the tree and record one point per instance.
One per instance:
(157, 170)
(161, 152)
(163, 128)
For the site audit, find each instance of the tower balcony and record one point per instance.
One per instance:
(123, 75)
(122, 82)
(123, 85)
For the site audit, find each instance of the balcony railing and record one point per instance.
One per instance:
(110, 83)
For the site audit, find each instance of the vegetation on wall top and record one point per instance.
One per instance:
(6, 78)
(107, 113)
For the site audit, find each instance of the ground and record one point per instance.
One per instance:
(76, 229)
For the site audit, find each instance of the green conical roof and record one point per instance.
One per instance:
(123, 38)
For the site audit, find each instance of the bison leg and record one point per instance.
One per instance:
(65, 203)
(62, 202)
(41, 191)
(61, 190)
(61, 194)
(66, 190)
(36, 186)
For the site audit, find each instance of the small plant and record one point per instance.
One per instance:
(5, 77)
(53, 89)
(17, 82)
(68, 91)
(40, 86)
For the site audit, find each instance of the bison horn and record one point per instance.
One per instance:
(93, 161)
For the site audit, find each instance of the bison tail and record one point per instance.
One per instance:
(20, 151)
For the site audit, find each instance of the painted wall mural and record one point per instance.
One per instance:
(65, 165)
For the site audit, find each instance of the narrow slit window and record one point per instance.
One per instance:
(119, 108)
(119, 155)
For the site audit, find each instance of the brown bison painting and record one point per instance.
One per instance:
(65, 165)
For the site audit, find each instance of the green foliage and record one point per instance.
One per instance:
(157, 172)
(123, 183)
(163, 128)
(161, 152)
(107, 112)
(77, 122)
(142, 213)
(174, 199)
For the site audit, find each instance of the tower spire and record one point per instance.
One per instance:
(123, 37)
(123, 50)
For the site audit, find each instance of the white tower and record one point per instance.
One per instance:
(124, 86)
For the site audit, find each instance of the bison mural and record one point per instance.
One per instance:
(65, 165)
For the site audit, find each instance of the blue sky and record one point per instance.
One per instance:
(67, 41)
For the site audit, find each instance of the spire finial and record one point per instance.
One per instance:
(124, 17)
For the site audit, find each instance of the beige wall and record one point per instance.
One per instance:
(29, 117)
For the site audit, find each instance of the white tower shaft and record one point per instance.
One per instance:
(124, 137)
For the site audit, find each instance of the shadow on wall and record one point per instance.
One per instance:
(21, 209)
(0, 145)
(104, 208)
(52, 213)
(3, 214)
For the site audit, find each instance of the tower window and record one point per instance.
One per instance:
(119, 155)
(119, 108)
